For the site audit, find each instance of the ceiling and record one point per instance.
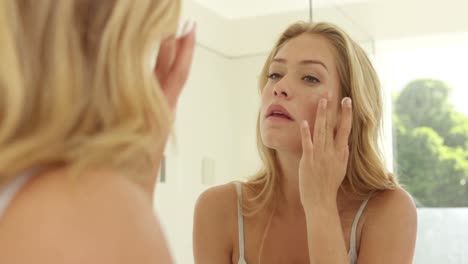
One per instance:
(235, 9)
(243, 27)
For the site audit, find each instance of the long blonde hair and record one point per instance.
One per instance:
(358, 80)
(76, 86)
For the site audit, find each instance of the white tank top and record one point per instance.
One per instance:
(9, 191)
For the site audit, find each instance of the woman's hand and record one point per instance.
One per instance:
(172, 69)
(173, 64)
(324, 162)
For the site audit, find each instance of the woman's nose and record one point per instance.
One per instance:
(280, 91)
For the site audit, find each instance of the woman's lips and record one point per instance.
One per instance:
(278, 112)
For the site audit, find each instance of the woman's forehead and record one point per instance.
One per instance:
(307, 47)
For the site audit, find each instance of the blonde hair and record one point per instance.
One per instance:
(358, 80)
(76, 86)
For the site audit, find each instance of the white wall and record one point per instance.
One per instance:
(247, 103)
(203, 130)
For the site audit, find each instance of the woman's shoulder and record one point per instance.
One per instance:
(385, 199)
(386, 206)
(218, 201)
(99, 218)
(215, 227)
(390, 227)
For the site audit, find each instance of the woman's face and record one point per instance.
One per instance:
(302, 72)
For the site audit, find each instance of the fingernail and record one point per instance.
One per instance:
(188, 28)
(346, 101)
(181, 29)
(305, 124)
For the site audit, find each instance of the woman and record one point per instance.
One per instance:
(323, 195)
(84, 119)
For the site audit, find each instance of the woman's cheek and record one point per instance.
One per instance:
(311, 114)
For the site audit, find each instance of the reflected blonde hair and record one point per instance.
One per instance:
(76, 86)
(366, 170)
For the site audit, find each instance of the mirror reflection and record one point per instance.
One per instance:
(226, 148)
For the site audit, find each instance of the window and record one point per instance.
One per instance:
(427, 79)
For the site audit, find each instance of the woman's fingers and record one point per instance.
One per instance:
(344, 129)
(173, 65)
(320, 125)
(306, 139)
(166, 55)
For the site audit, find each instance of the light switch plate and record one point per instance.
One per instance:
(208, 171)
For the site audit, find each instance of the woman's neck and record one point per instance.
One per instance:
(289, 201)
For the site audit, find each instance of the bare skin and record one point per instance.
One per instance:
(313, 219)
(287, 224)
(104, 217)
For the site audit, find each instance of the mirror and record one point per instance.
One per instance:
(419, 53)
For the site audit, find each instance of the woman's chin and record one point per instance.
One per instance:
(282, 145)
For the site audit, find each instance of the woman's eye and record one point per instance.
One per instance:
(274, 76)
(311, 79)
